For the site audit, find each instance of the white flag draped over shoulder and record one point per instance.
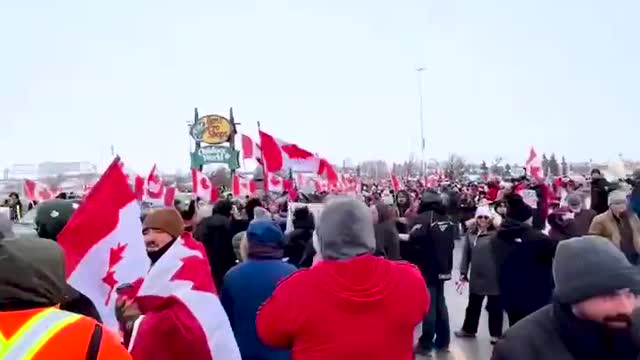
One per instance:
(103, 243)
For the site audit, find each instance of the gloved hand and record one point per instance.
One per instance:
(127, 312)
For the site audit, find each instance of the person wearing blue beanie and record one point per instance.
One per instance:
(251, 283)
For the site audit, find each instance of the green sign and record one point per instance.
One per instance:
(216, 155)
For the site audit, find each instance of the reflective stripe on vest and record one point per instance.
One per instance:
(34, 334)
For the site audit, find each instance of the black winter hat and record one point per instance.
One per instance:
(517, 209)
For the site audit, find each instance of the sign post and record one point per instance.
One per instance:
(213, 131)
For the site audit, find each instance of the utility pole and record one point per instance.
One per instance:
(232, 138)
(422, 140)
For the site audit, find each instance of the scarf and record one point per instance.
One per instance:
(154, 256)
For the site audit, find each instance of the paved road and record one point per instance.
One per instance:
(463, 349)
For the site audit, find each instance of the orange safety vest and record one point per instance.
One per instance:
(50, 333)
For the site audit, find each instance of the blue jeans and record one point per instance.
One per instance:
(436, 322)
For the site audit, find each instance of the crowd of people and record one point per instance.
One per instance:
(354, 282)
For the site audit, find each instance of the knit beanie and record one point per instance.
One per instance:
(617, 197)
(517, 209)
(483, 211)
(165, 219)
(589, 266)
(345, 229)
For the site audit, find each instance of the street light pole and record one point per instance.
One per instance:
(422, 143)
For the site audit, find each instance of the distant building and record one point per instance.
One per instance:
(23, 171)
(50, 169)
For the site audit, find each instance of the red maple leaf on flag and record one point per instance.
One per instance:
(204, 184)
(44, 194)
(115, 256)
(192, 265)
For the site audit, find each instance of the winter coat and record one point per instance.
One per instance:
(605, 225)
(561, 229)
(600, 189)
(214, 233)
(477, 254)
(366, 307)
(541, 212)
(299, 241)
(387, 237)
(431, 241)
(245, 289)
(634, 199)
(583, 221)
(524, 259)
(554, 333)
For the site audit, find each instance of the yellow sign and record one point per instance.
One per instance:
(212, 129)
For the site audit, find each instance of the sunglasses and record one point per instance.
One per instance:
(482, 217)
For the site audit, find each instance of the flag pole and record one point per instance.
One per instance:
(264, 169)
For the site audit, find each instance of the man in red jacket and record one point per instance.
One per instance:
(350, 305)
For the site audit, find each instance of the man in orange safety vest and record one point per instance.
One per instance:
(32, 327)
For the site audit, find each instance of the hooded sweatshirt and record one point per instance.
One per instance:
(363, 308)
(351, 305)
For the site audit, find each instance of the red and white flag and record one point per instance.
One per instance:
(37, 191)
(533, 165)
(321, 184)
(250, 149)
(153, 190)
(242, 187)
(276, 183)
(281, 155)
(103, 243)
(395, 183)
(182, 314)
(203, 188)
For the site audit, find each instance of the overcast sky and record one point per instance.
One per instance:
(336, 76)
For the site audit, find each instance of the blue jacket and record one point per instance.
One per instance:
(245, 288)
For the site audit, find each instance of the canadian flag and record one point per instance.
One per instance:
(395, 183)
(242, 187)
(351, 184)
(203, 188)
(281, 155)
(250, 150)
(327, 170)
(533, 165)
(37, 191)
(153, 190)
(276, 183)
(321, 184)
(301, 180)
(181, 309)
(103, 243)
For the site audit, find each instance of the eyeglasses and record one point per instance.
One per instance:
(482, 217)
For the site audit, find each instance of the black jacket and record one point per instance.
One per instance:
(600, 188)
(523, 258)
(554, 333)
(431, 241)
(298, 243)
(215, 234)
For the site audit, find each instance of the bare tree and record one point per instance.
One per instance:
(455, 166)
